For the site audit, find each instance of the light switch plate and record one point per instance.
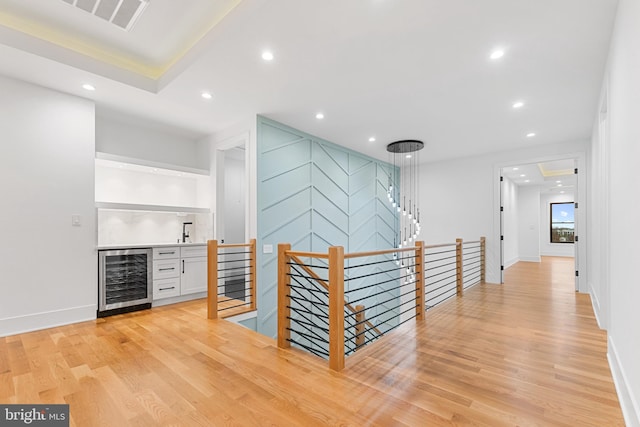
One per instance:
(75, 220)
(267, 249)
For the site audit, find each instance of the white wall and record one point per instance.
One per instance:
(143, 141)
(510, 222)
(546, 247)
(460, 198)
(49, 267)
(529, 223)
(619, 289)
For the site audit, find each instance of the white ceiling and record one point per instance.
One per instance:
(550, 177)
(392, 69)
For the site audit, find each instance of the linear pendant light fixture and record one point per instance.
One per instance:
(403, 191)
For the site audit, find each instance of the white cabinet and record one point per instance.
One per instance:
(179, 270)
(166, 253)
(193, 251)
(165, 288)
(194, 275)
(166, 268)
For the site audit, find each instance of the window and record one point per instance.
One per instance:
(562, 222)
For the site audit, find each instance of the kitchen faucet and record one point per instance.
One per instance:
(185, 233)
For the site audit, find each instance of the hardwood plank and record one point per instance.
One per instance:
(528, 352)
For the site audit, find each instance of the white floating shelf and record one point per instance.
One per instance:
(150, 208)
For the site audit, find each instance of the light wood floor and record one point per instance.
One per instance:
(524, 353)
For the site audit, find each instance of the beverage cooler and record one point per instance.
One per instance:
(124, 280)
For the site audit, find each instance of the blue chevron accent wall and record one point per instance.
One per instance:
(314, 194)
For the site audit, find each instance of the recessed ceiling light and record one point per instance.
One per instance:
(527, 180)
(559, 185)
(515, 169)
(497, 54)
(267, 55)
(518, 104)
(408, 156)
(522, 175)
(531, 135)
(372, 139)
(558, 182)
(206, 95)
(319, 116)
(562, 192)
(89, 87)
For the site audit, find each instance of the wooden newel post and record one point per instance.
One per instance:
(212, 279)
(253, 274)
(336, 308)
(284, 292)
(459, 283)
(359, 326)
(483, 259)
(419, 266)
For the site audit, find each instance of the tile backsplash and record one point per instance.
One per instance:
(131, 227)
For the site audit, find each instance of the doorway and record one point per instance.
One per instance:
(231, 219)
(538, 213)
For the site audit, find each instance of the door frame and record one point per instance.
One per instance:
(495, 246)
(241, 140)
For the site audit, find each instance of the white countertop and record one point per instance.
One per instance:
(148, 245)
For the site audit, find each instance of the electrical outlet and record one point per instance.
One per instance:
(76, 221)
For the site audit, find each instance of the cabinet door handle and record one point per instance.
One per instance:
(166, 269)
(182, 266)
(167, 253)
(165, 289)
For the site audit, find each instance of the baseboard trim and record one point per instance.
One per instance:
(48, 319)
(628, 402)
(595, 304)
(531, 259)
(511, 262)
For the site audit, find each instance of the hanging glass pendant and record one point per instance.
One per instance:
(403, 193)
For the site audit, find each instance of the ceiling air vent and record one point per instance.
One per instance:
(121, 13)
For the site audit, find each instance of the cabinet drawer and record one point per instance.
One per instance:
(166, 253)
(166, 268)
(166, 288)
(193, 251)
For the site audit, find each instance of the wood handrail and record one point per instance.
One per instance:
(380, 252)
(234, 245)
(308, 254)
(322, 255)
(441, 245)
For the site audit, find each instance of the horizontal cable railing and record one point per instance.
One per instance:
(441, 273)
(381, 286)
(473, 257)
(333, 304)
(231, 279)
